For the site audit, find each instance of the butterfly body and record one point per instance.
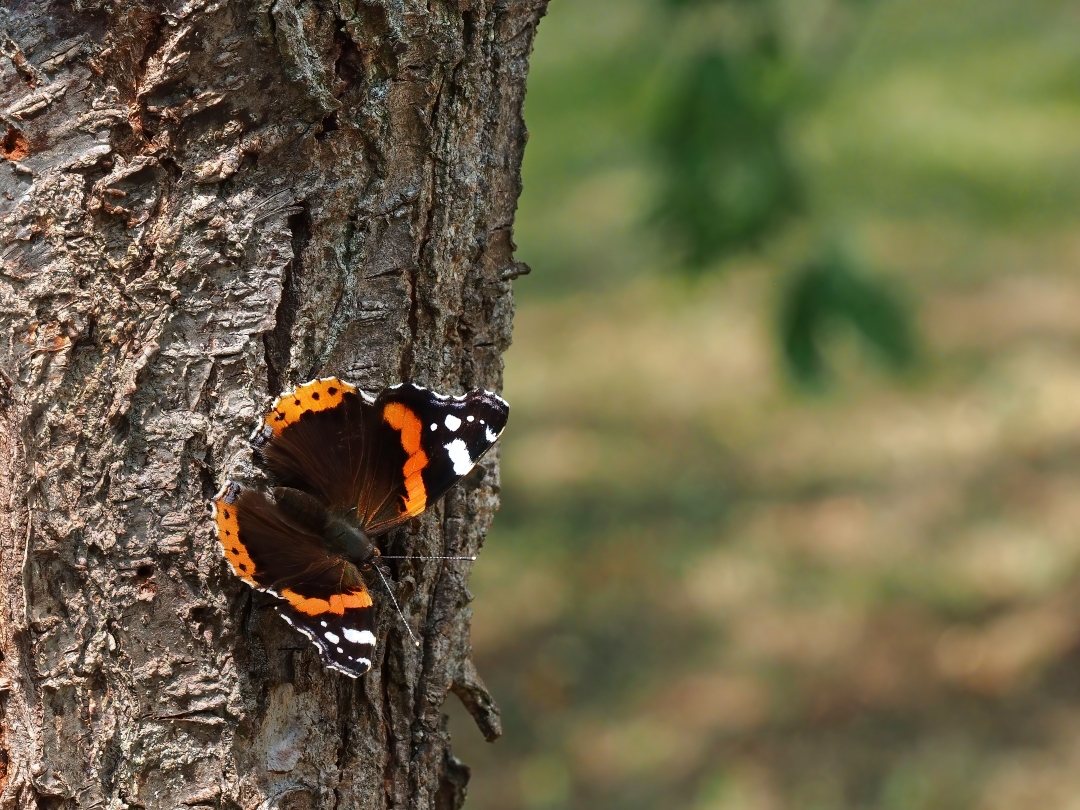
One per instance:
(349, 467)
(338, 529)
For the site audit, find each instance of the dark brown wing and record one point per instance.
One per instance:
(323, 595)
(313, 440)
(388, 459)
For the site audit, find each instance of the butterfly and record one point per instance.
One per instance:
(347, 468)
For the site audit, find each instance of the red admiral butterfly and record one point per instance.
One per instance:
(348, 467)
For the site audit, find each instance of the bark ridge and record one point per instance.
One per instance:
(203, 203)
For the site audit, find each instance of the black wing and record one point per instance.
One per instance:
(423, 443)
(388, 458)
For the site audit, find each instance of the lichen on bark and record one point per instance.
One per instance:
(201, 204)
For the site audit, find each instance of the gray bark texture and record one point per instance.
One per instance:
(204, 202)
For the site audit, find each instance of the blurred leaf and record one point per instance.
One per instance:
(831, 293)
(727, 179)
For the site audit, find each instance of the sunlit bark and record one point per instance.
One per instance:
(200, 208)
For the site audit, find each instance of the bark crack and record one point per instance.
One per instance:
(278, 342)
(426, 235)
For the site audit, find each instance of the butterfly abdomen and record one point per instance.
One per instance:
(305, 509)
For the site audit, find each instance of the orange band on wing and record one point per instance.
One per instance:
(337, 604)
(318, 395)
(228, 532)
(401, 418)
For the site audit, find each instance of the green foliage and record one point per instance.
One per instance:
(706, 591)
(830, 293)
(727, 178)
(727, 181)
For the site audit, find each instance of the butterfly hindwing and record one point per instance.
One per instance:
(268, 550)
(314, 439)
(323, 595)
(424, 443)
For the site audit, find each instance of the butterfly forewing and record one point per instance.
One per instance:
(322, 594)
(434, 440)
(346, 639)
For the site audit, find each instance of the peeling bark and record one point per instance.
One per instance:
(200, 208)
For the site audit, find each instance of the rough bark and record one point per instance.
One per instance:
(203, 203)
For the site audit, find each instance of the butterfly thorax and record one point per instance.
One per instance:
(343, 537)
(349, 541)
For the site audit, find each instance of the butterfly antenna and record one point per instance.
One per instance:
(396, 607)
(471, 558)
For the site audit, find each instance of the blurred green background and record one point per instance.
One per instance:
(791, 489)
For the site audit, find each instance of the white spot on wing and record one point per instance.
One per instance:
(360, 636)
(323, 624)
(434, 426)
(363, 664)
(490, 434)
(452, 422)
(459, 455)
(333, 638)
(470, 418)
(340, 650)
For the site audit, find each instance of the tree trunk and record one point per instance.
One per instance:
(201, 208)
